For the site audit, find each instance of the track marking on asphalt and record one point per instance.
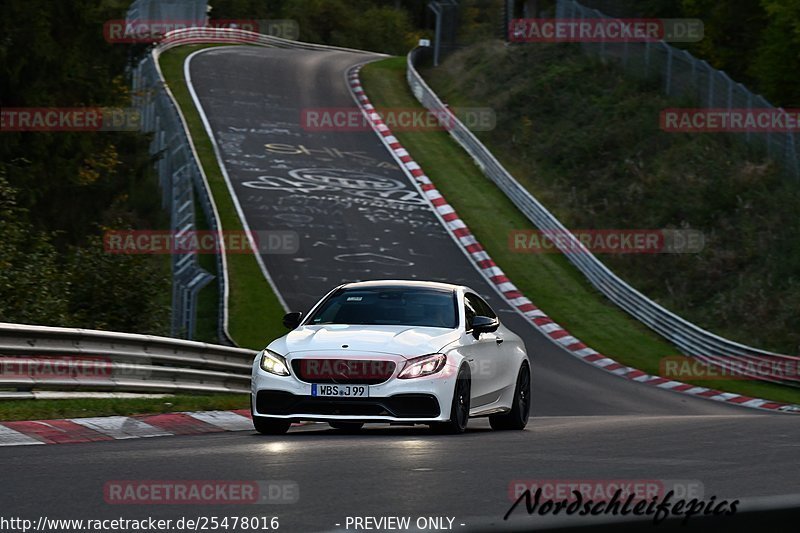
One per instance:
(9, 437)
(180, 424)
(110, 428)
(57, 431)
(226, 420)
(120, 427)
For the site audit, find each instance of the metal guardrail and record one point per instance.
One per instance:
(689, 338)
(206, 35)
(48, 358)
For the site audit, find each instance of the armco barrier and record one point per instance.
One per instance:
(123, 362)
(182, 182)
(208, 35)
(689, 338)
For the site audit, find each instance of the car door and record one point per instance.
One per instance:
(507, 364)
(483, 353)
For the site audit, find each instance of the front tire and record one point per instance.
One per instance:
(517, 418)
(459, 408)
(271, 426)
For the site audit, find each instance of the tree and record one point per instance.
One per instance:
(776, 64)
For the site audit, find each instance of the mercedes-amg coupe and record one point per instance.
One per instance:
(403, 352)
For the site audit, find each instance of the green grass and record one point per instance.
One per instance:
(254, 311)
(549, 280)
(583, 136)
(85, 407)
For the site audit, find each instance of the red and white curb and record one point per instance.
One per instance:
(105, 428)
(480, 258)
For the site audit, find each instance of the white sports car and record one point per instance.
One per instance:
(403, 352)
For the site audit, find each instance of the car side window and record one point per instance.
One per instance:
(470, 310)
(474, 306)
(485, 309)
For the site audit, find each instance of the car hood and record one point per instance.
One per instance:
(406, 341)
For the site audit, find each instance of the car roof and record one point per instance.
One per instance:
(402, 283)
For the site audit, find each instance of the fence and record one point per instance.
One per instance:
(181, 179)
(691, 339)
(683, 75)
(178, 170)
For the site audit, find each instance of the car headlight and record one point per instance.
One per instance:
(274, 363)
(423, 366)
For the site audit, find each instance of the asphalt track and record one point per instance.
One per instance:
(587, 424)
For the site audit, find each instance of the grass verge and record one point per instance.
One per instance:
(254, 311)
(549, 280)
(85, 407)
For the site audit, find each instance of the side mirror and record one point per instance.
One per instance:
(292, 320)
(484, 324)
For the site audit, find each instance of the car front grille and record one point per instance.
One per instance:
(343, 371)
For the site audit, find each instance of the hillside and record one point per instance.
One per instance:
(585, 139)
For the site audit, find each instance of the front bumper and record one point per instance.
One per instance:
(397, 407)
(418, 400)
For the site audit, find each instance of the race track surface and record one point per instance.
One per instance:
(359, 217)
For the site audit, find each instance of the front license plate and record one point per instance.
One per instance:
(342, 391)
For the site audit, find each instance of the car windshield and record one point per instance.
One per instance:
(401, 306)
